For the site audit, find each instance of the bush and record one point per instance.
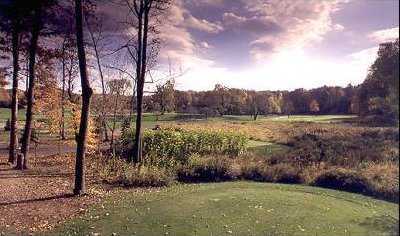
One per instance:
(283, 173)
(384, 179)
(343, 179)
(342, 149)
(168, 146)
(118, 172)
(279, 173)
(143, 176)
(252, 171)
(206, 170)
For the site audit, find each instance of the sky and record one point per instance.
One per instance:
(275, 44)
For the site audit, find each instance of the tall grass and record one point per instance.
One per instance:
(170, 146)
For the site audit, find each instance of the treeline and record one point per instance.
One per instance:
(376, 97)
(231, 101)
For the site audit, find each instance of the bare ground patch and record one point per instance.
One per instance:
(39, 198)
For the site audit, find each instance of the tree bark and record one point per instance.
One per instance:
(30, 95)
(14, 100)
(136, 157)
(80, 185)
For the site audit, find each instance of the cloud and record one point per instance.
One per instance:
(214, 3)
(338, 27)
(256, 25)
(204, 44)
(385, 35)
(302, 22)
(179, 45)
(230, 18)
(202, 25)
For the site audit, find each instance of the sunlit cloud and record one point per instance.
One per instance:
(384, 35)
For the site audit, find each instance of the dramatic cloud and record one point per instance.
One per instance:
(302, 21)
(179, 45)
(384, 35)
(270, 44)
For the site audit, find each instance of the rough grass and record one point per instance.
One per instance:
(239, 208)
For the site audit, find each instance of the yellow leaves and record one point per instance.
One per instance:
(92, 139)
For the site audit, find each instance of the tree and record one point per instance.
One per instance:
(164, 96)
(11, 21)
(379, 93)
(118, 89)
(314, 106)
(69, 69)
(22, 161)
(96, 40)
(288, 107)
(80, 186)
(272, 105)
(258, 103)
(221, 92)
(143, 11)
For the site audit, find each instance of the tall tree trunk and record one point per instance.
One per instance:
(14, 99)
(103, 87)
(139, 90)
(30, 95)
(80, 186)
(62, 123)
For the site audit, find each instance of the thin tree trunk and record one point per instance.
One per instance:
(30, 95)
(103, 87)
(140, 84)
(114, 120)
(62, 128)
(14, 100)
(80, 186)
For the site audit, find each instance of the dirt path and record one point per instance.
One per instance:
(39, 198)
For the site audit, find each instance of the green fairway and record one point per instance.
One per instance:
(236, 208)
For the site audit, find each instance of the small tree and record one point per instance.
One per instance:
(314, 107)
(288, 107)
(164, 97)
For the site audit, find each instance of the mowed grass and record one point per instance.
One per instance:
(236, 208)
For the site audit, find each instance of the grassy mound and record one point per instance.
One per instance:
(237, 208)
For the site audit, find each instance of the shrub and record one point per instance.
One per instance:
(284, 173)
(279, 173)
(384, 179)
(343, 179)
(144, 176)
(206, 170)
(253, 171)
(317, 146)
(168, 146)
(119, 172)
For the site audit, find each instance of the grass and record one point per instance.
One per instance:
(262, 148)
(5, 113)
(236, 208)
(313, 118)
